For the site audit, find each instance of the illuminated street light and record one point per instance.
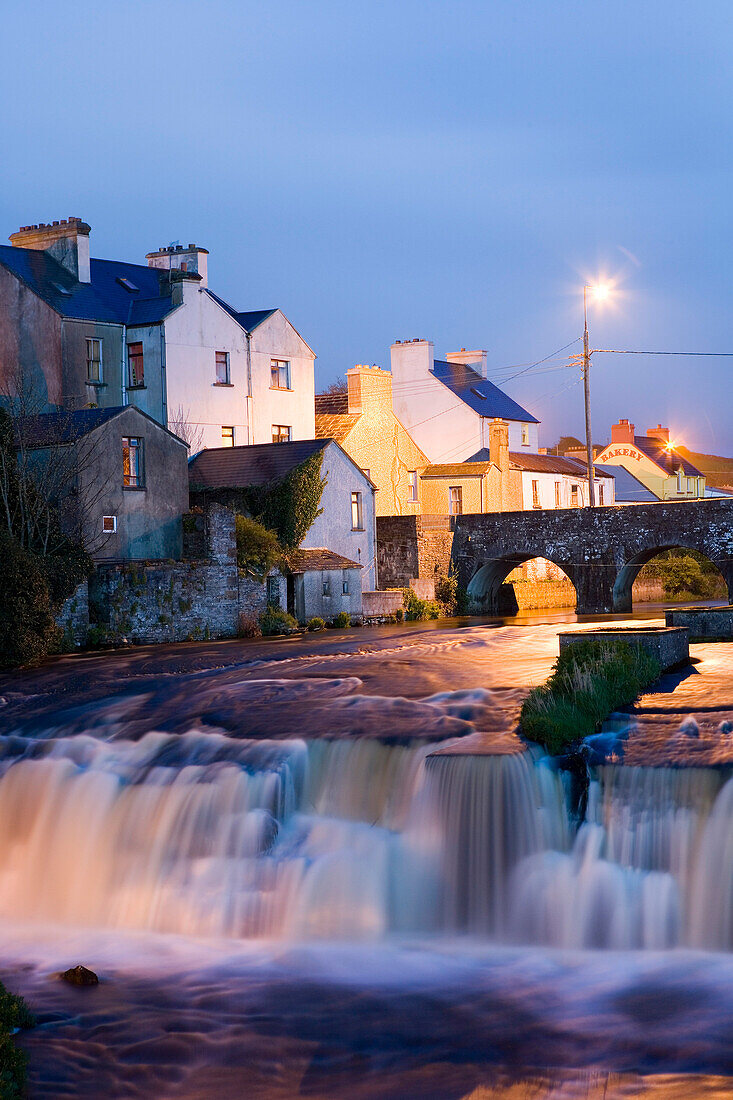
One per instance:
(601, 292)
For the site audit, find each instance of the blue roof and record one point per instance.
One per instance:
(628, 487)
(250, 319)
(63, 427)
(102, 299)
(478, 393)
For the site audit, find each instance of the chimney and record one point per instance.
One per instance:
(475, 359)
(658, 433)
(499, 453)
(623, 432)
(67, 241)
(368, 387)
(190, 260)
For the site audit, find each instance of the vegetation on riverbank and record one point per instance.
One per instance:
(14, 1014)
(589, 681)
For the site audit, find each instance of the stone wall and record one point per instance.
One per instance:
(381, 604)
(537, 594)
(412, 548)
(73, 619)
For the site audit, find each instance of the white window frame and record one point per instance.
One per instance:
(412, 479)
(90, 341)
(227, 380)
(357, 511)
(458, 490)
(277, 368)
(278, 429)
(525, 435)
(224, 439)
(558, 494)
(109, 530)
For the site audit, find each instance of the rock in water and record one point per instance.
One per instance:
(79, 975)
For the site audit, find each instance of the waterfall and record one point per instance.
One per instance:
(208, 835)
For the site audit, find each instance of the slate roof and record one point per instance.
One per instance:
(669, 460)
(66, 427)
(258, 464)
(249, 319)
(307, 559)
(554, 464)
(628, 488)
(102, 299)
(335, 426)
(478, 393)
(332, 403)
(457, 469)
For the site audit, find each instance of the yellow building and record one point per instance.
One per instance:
(363, 422)
(652, 460)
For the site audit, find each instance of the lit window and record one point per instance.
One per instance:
(535, 494)
(600, 494)
(525, 435)
(222, 368)
(281, 433)
(132, 462)
(279, 374)
(573, 496)
(135, 367)
(109, 524)
(412, 475)
(456, 500)
(357, 518)
(227, 435)
(94, 360)
(557, 494)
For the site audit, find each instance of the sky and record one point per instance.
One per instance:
(454, 171)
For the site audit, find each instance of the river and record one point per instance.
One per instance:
(327, 867)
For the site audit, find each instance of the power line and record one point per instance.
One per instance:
(615, 351)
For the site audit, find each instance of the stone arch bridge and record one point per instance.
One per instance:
(600, 549)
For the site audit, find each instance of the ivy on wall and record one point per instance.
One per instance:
(288, 506)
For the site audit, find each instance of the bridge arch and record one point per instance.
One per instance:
(628, 572)
(484, 585)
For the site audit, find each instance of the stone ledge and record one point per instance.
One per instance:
(705, 624)
(669, 644)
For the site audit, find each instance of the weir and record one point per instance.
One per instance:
(208, 835)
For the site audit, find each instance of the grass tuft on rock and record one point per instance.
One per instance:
(589, 681)
(14, 1013)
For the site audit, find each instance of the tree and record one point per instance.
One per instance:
(27, 627)
(258, 549)
(182, 425)
(337, 387)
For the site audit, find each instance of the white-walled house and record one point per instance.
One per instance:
(110, 333)
(447, 405)
(549, 481)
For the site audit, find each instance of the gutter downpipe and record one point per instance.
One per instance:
(249, 387)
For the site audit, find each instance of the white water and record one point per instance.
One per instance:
(206, 835)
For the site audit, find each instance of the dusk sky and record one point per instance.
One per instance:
(383, 171)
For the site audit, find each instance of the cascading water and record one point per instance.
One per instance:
(203, 834)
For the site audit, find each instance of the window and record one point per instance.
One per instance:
(536, 494)
(135, 369)
(281, 433)
(327, 588)
(525, 435)
(222, 368)
(600, 494)
(109, 524)
(94, 360)
(679, 479)
(412, 475)
(557, 494)
(227, 435)
(455, 496)
(279, 374)
(357, 518)
(345, 588)
(132, 462)
(573, 496)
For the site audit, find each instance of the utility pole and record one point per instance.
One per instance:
(586, 391)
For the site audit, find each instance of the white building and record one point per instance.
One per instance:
(447, 405)
(549, 481)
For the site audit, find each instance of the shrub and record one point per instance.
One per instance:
(589, 681)
(417, 610)
(398, 615)
(342, 619)
(356, 622)
(315, 624)
(14, 1013)
(258, 549)
(27, 627)
(276, 621)
(248, 626)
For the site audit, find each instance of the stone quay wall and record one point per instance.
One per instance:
(411, 548)
(705, 624)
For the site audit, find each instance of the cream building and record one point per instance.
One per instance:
(652, 460)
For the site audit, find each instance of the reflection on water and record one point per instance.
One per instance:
(355, 912)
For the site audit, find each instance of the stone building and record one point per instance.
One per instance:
(81, 331)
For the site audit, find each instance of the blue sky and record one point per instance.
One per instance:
(449, 170)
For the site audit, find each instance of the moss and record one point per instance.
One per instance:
(184, 605)
(14, 1013)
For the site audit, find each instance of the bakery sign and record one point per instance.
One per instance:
(620, 452)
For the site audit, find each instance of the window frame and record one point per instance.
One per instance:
(536, 502)
(228, 428)
(276, 367)
(278, 429)
(574, 496)
(412, 482)
(133, 445)
(558, 494)
(458, 490)
(227, 380)
(357, 511)
(525, 435)
(99, 380)
(135, 385)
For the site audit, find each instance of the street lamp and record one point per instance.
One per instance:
(600, 291)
